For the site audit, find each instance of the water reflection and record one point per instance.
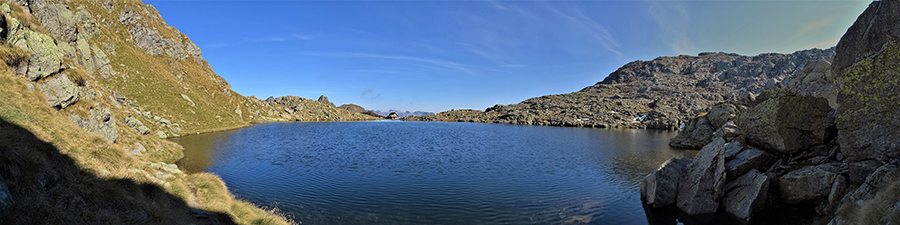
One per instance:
(427, 173)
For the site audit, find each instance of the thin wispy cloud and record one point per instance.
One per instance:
(598, 31)
(268, 39)
(673, 21)
(434, 62)
(827, 43)
(809, 28)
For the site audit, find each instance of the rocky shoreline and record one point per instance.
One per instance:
(827, 144)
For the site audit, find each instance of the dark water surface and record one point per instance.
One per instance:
(389, 172)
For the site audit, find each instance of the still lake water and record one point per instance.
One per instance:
(391, 172)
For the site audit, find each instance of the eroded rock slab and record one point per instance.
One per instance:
(700, 187)
(100, 122)
(747, 160)
(60, 91)
(660, 187)
(808, 185)
(746, 195)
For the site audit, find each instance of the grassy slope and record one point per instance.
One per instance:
(87, 178)
(94, 180)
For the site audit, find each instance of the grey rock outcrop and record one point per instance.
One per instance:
(746, 195)
(748, 159)
(854, 199)
(46, 57)
(137, 125)
(721, 114)
(56, 18)
(788, 124)
(660, 187)
(816, 80)
(60, 91)
(696, 134)
(100, 122)
(700, 187)
(869, 79)
(808, 185)
(324, 100)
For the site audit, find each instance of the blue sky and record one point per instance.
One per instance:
(438, 55)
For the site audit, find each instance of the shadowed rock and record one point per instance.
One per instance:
(787, 124)
(869, 79)
(660, 187)
(808, 185)
(700, 187)
(746, 195)
(696, 134)
(747, 160)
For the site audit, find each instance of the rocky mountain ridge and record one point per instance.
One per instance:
(662, 93)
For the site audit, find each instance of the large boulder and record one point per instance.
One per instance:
(660, 187)
(696, 134)
(746, 195)
(700, 187)
(869, 80)
(721, 114)
(46, 56)
(746, 160)
(788, 123)
(137, 125)
(60, 91)
(808, 185)
(100, 122)
(817, 80)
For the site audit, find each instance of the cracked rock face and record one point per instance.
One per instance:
(746, 195)
(660, 187)
(60, 91)
(100, 122)
(700, 187)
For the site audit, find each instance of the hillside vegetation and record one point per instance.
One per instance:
(91, 89)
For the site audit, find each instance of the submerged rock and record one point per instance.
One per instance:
(700, 187)
(660, 187)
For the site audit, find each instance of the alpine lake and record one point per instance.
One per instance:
(393, 172)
